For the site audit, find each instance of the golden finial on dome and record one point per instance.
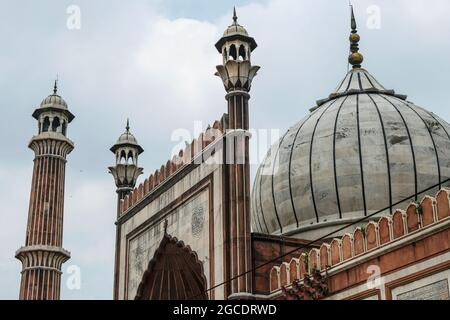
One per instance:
(355, 58)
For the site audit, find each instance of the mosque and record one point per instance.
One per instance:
(350, 203)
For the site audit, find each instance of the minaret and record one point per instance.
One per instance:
(43, 255)
(125, 173)
(237, 74)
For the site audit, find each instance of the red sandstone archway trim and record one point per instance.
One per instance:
(174, 273)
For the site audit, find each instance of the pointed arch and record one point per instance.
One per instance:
(55, 124)
(242, 53)
(64, 127)
(130, 157)
(233, 52)
(174, 273)
(123, 157)
(46, 124)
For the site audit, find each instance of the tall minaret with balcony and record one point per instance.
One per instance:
(237, 74)
(125, 173)
(43, 255)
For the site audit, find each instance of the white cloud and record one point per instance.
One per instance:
(177, 56)
(13, 217)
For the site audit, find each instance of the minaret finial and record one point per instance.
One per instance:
(355, 58)
(353, 20)
(128, 126)
(55, 86)
(234, 16)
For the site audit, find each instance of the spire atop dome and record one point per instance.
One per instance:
(235, 18)
(355, 58)
(127, 128)
(55, 86)
(353, 20)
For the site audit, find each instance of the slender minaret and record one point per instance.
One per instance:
(237, 74)
(125, 173)
(43, 255)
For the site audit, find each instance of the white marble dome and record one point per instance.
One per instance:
(235, 29)
(361, 150)
(55, 101)
(127, 140)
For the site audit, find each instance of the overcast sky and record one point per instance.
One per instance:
(153, 61)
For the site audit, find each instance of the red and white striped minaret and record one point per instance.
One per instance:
(237, 73)
(43, 255)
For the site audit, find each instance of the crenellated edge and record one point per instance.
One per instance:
(375, 234)
(183, 158)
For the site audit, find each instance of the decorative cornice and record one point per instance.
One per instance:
(59, 250)
(125, 176)
(51, 143)
(42, 257)
(237, 75)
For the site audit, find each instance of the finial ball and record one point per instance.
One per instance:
(354, 38)
(356, 59)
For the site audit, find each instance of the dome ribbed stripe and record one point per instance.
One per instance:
(310, 159)
(277, 155)
(359, 81)
(368, 79)
(254, 205)
(432, 139)
(290, 166)
(388, 163)
(334, 158)
(260, 200)
(360, 155)
(342, 83)
(437, 120)
(411, 143)
(349, 82)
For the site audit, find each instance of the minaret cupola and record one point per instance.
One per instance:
(236, 47)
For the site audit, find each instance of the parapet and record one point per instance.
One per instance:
(375, 234)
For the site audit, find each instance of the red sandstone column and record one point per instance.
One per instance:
(237, 157)
(237, 74)
(42, 256)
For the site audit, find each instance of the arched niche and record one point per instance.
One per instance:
(46, 124)
(242, 53)
(174, 273)
(233, 55)
(55, 124)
